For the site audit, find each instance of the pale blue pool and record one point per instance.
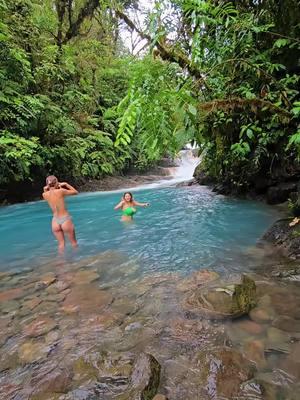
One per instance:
(183, 229)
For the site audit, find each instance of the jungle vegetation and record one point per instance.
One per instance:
(76, 101)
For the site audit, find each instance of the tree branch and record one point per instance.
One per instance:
(166, 52)
(86, 11)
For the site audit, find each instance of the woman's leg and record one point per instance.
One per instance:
(58, 233)
(69, 229)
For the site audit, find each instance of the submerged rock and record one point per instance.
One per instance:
(30, 352)
(229, 301)
(39, 327)
(86, 299)
(11, 294)
(287, 324)
(118, 376)
(222, 372)
(197, 279)
(254, 350)
(145, 377)
(82, 277)
(262, 315)
(277, 340)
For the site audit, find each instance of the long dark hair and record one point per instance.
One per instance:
(130, 194)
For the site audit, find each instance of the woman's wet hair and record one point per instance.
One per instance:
(130, 194)
(51, 180)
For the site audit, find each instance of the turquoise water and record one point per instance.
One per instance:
(184, 229)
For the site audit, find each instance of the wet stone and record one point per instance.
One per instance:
(56, 298)
(100, 322)
(85, 276)
(124, 306)
(58, 380)
(9, 361)
(46, 307)
(48, 279)
(11, 294)
(197, 279)
(250, 327)
(10, 307)
(277, 340)
(40, 326)
(58, 286)
(32, 303)
(52, 337)
(254, 351)
(287, 324)
(222, 373)
(146, 375)
(31, 351)
(230, 301)
(86, 299)
(133, 326)
(262, 315)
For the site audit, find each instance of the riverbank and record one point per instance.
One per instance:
(81, 330)
(31, 191)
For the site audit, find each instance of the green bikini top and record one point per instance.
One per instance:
(129, 211)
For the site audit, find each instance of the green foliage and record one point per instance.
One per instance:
(249, 127)
(18, 156)
(72, 102)
(54, 99)
(158, 115)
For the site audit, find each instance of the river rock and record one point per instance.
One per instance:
(133, 326)
(32, 303)
(287, 324)
(85, 276)
(39, 327)
(252, 328)
(197, 279)
(52, 337)
(159, 397)
(58, 380)
(48, 278)
(58, 286)
(222, 373)
(30, 352)
(280, 193)
(118, 375)
(230, 301)
(145, 377)
(9, 361)
(11, 294)
(87, 299)
(262, 315)
(124, 306)
(278, 340)
(10, 307)
(254, 351)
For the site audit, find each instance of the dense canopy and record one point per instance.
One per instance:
(77, 100)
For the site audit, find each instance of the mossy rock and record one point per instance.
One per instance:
(229, 301)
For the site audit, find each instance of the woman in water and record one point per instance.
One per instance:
(127, 205)
(55, 193)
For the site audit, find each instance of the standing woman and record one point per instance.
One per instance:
(127, 205)
(54, 194)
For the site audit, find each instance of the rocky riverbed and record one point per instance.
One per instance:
(97, 329)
